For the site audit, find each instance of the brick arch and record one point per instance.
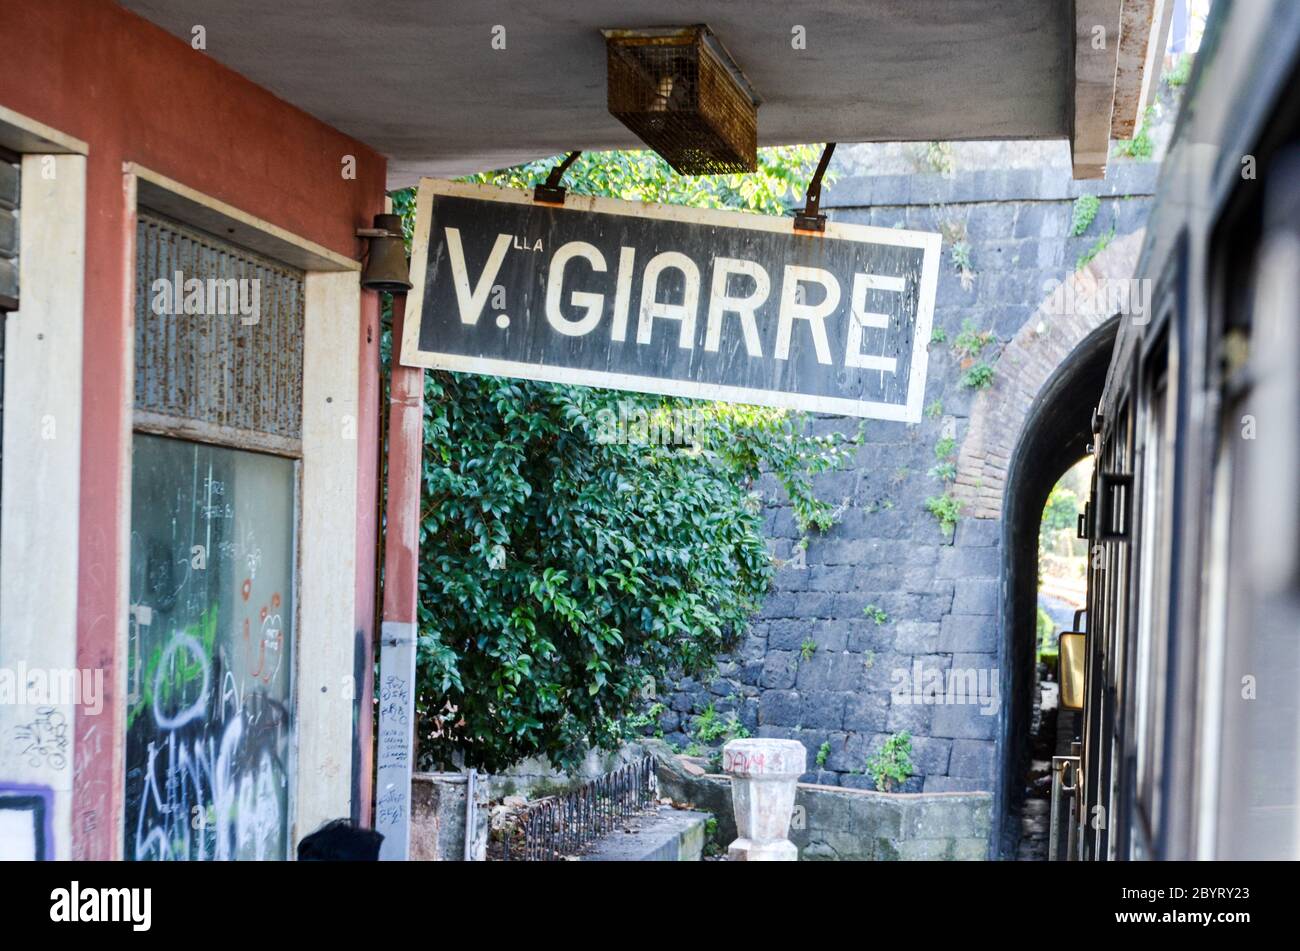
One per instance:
(1042, 344)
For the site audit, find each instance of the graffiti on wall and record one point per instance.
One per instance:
(92, 791)
(209, 706)
(44, 740)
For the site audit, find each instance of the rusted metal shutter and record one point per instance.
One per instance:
(237, 371)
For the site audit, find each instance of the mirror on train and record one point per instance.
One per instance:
(1072, 667)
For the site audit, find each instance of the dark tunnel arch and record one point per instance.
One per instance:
(1056, 434)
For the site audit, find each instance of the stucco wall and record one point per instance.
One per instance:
(133, 93)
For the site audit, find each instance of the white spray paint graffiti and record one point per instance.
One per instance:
(214, 786)
(210, 653)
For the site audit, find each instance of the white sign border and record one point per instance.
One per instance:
(930, 243)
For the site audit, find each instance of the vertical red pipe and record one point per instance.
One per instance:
(399, 632)
(402, 507)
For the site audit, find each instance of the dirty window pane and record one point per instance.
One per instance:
(210, 652)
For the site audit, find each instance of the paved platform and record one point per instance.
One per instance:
(665, 835)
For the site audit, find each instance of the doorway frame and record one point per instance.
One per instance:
(324, 689)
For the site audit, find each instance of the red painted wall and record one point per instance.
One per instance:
(134, 93)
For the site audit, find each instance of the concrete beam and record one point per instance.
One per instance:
(1144, 30)
(443, 89)
(1097, 38)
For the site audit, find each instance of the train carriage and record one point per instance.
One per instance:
(1190, 726)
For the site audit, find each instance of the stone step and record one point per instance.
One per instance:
(665, 835)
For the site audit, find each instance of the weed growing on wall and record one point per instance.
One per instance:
(978, 377)
(959, 250)
(892, 765)
(713, 731)
(877, 614)
(945, 452)
(947, 509)
(823, 752)
(1085, 211)
(971, 342)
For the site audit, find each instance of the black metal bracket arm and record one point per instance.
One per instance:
(809, 217)
(551, 191)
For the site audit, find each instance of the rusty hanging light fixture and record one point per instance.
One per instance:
(680, 91)
(386, 267)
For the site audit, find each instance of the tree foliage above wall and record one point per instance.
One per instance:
(570, 555)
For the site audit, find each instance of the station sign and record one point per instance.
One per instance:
(666, 299)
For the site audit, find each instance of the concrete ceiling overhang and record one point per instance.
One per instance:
(422, 82)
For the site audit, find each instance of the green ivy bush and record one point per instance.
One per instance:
(561, 572)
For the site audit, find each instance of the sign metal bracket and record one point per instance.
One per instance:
(551, 192)
(809, 218)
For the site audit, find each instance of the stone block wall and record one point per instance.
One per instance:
(814, 667)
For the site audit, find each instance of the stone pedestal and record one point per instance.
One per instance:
(763, 776)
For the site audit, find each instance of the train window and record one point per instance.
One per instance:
(1151, 642)
(1211, 690)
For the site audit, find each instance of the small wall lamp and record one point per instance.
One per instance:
(386, 267)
